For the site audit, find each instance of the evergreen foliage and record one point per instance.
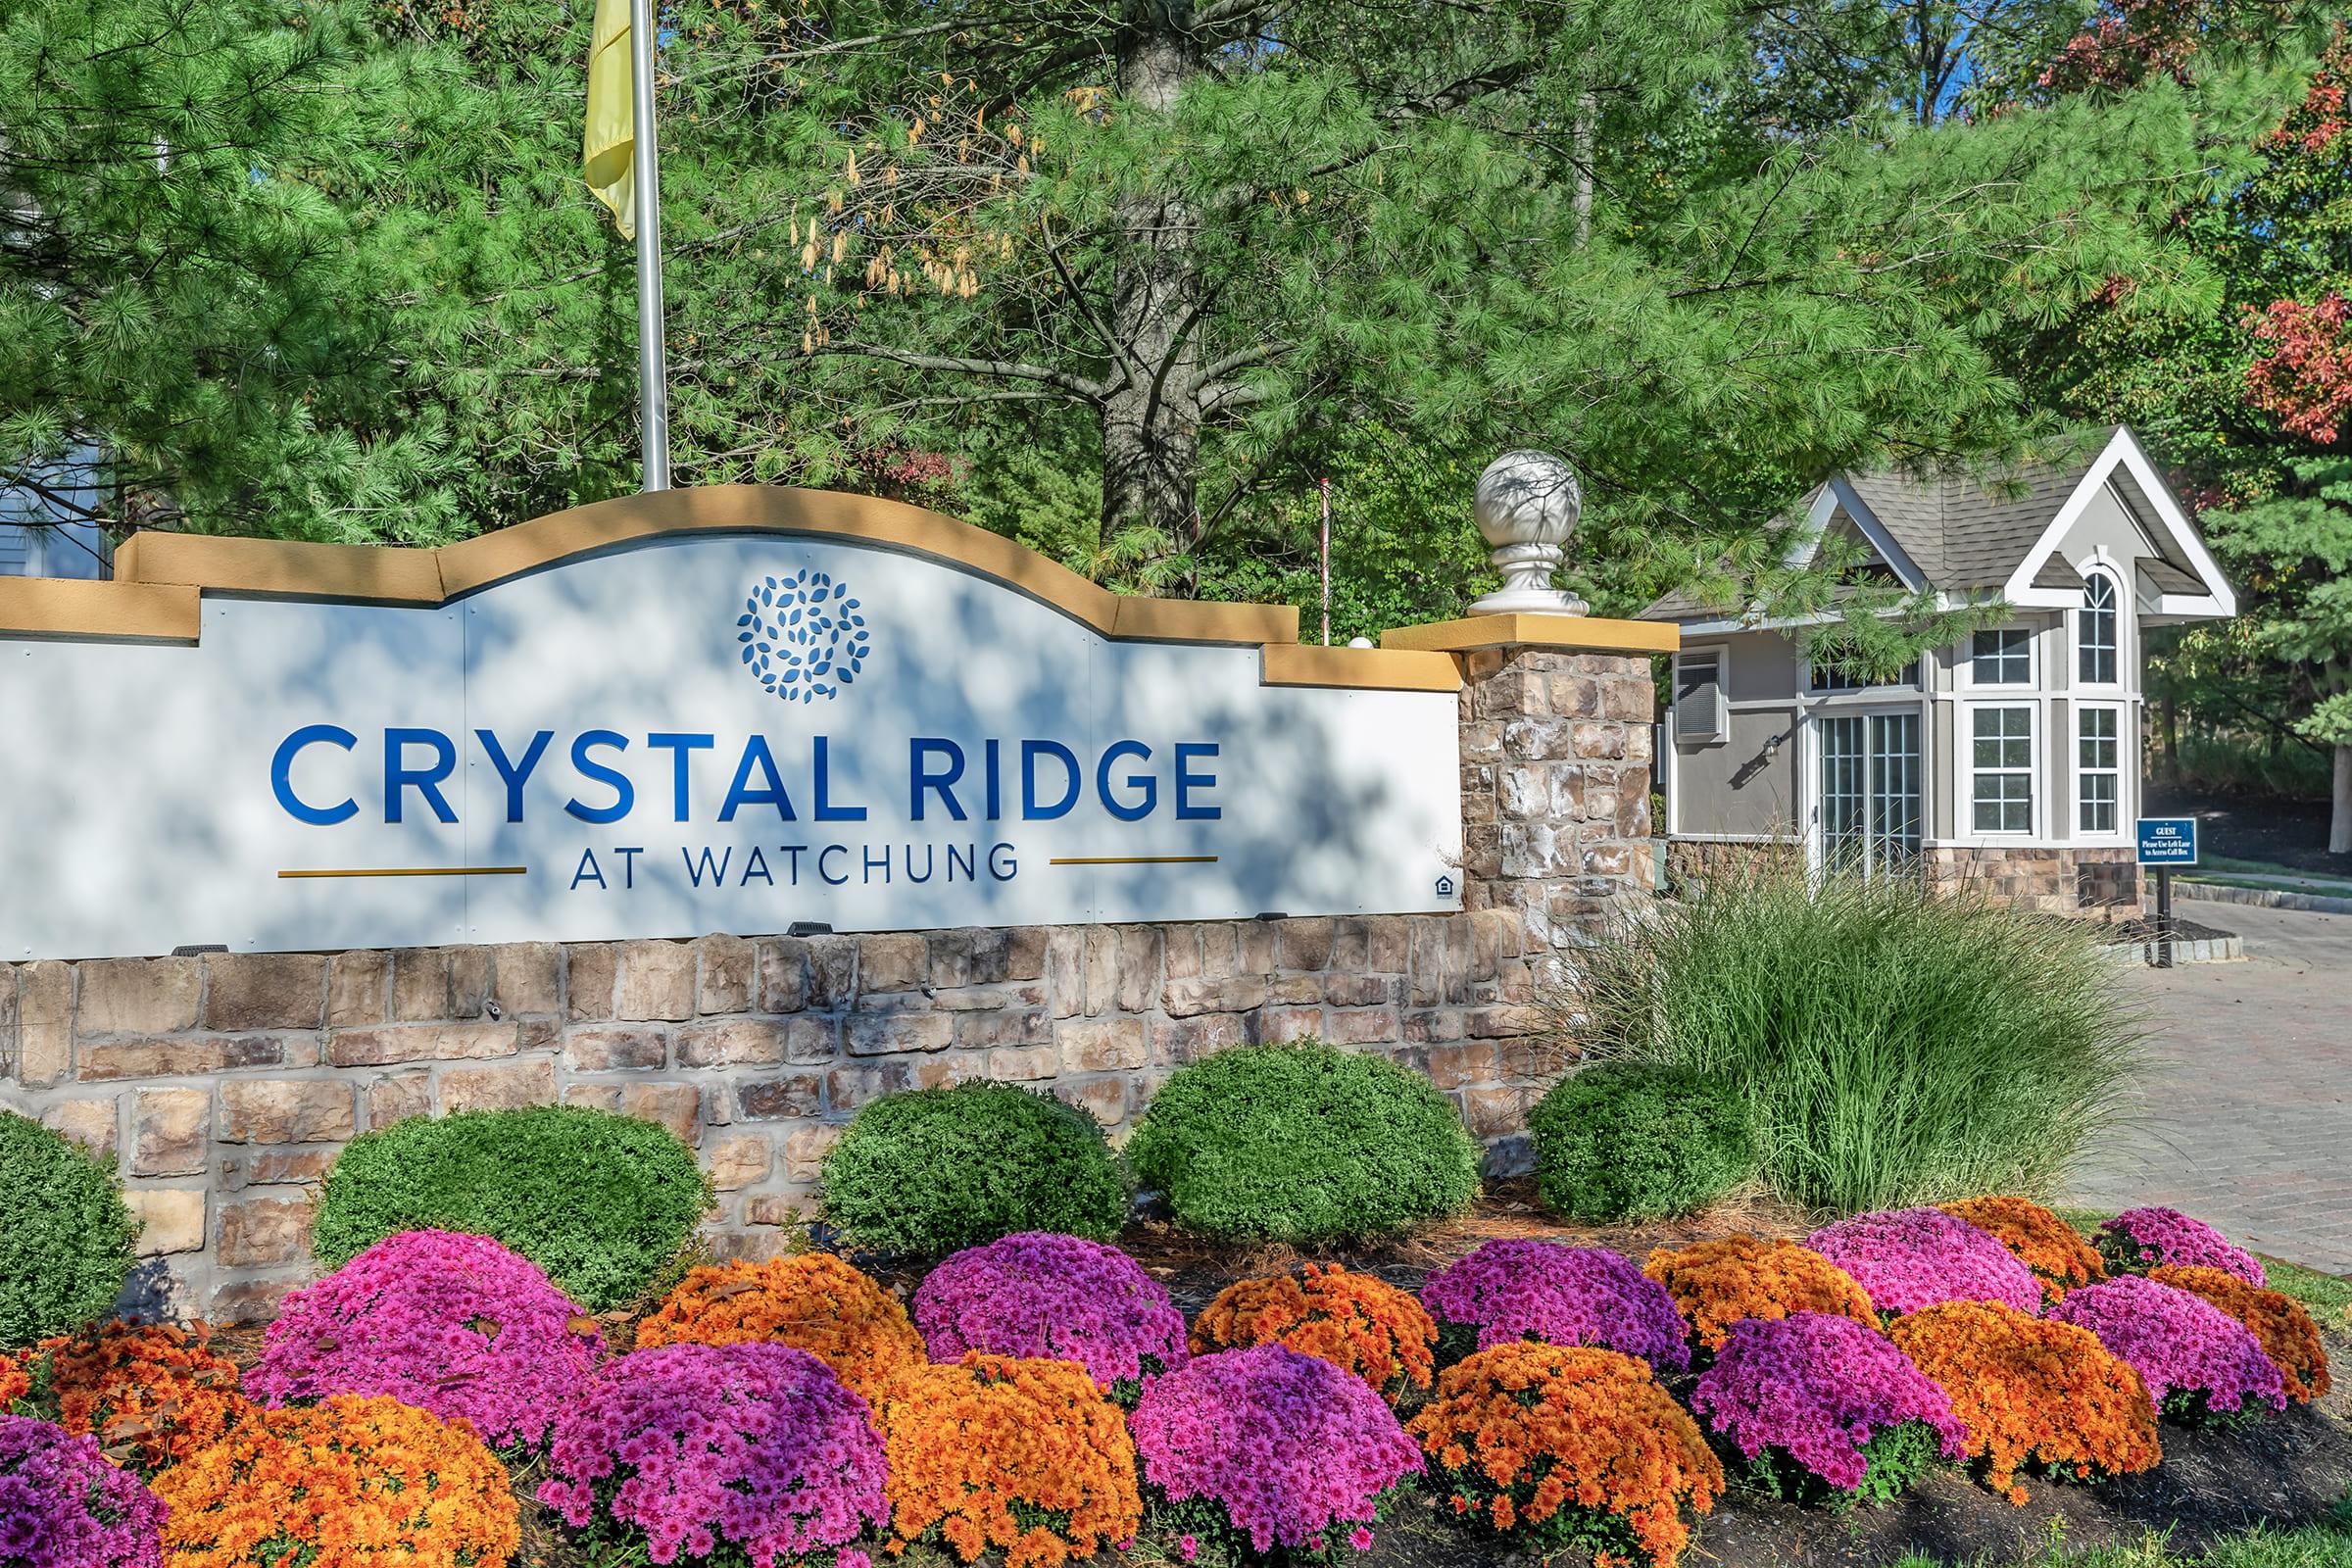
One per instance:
(1623, 1141)
(65, 1234)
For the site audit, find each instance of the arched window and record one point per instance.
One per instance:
(2095, 635)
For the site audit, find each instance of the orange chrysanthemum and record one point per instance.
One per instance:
(2032, 1391)
(2036, 1237)
(14, 1384)
(353, 1483)
(152, 1392)
(1358, 1323)
(1716, 1284)
(813, 1302)
(1561, 1443)
(971, 1443)
(2276, 1320)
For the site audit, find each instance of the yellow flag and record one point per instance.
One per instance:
(610, 143)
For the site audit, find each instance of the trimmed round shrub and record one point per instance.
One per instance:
(163, 1387)
(65, 1234)
(1558, 1447)
(602, 1203)
(449, 1323)
(1716, 1285)
(63, 1506)
(1527, 1290)
(1623, 1141)
(1303, 1144)
(1356, 1322)
(2140, 1238)
(937, 1170)
(2036, 1237)
(1908, 1259)
(741, 1452)
(2196, 1359)
(2030, 1392)
(353, 1480)
(1026, 1456)
(2285, 1331)
(1043, 1296)
(1263, 1449)
(813, 1302)
(1822, 1406)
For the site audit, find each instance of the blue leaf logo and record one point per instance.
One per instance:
(802, 636)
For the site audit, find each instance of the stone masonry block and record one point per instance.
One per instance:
(359, 989)
(882, 1033)
(421, 985)
(423, 1042)
(676, 1107)
(44, 1023)
(257, 1232)
(809, 1042)
(892, 961)
(1370, 1026)
(89, 1124)
(951, 1068)
(529, 977)
(783, 985)
(171, 1219)
(848, 1088)
(615, 1049)
(739, 1160)
(396, 1097)
(139, 996)
(470, 982)
(832, 971)
(656, 981)
(1184, 999)
(285, 1111)
(790, 1096)
(1025, 952)
(1305, 943)
(591, 976)
(984, 1031)
(504, 1088)
(169, 1131)
(805, 1151)
(1104, 1099)
(1105, 1044)
(184, 1057)
(729, 966)
(736, 1042)
(274, 1167)
(1023, 1064)
(264, 989)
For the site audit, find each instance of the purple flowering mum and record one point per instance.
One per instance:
(452, 1324)
(1527, 1289)
(1908, 1259)
(2177, 1341)
(1289, 1447)
(758, 1446)
(1056, 1298)
(2143, 1238)
(1819, 1386)
(63, 1506)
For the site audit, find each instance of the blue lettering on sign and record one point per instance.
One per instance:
(282, 775)
(2165, 839)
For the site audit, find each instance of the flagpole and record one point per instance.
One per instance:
(652, 365)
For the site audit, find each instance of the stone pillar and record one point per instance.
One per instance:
(1555, 785)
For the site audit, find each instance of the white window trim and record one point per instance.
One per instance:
(2125, 772)
(2101, 565)
(2030, 686)
(2037, 782)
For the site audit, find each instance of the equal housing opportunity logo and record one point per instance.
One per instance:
(803, 635)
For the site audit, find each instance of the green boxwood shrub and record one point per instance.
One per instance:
(934, 1170)
(1303, 1144)
(605, 1203)
(65, 1234)
(1626, 1142)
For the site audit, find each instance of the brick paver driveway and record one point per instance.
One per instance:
(2246, 1119)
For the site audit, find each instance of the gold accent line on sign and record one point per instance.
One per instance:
(1133, 859)
(418, 870)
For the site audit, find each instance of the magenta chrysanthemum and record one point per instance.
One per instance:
(63, 1506)
(2141, 1239)
(452, 1324)
(1908, 1259)
(1060, 1298)
(1819, 1388)
(2183, 1346)
(758, 1446)
(1526, 1290)
(1289, 1446)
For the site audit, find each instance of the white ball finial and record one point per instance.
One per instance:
(1528, 504)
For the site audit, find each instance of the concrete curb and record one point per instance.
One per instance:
(2263, 898)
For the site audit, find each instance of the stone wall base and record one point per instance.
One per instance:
(2057, 881)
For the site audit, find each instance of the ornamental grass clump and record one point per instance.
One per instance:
(1915, 1257)
(1823, 1406)
(2197, 1361)
(353, 1480)
(1303, 1144)
(1527, 1290)
(65, 1237)
(1624, 1141)
(813, 1302)
(1558, 1447)
(1263, 1452)
(1025, 1457)
(63, 1506)
(744, 1453)
(2059, 1259)
(2031, 1391)
(1718, 1284)
(1054, 1298)
(449, 1323)
(1356, 1322)
(1896, 1044)
(158, 1391)
(2278, 1321)
(2140, 1238)
(604, 1203)
(934, 1170)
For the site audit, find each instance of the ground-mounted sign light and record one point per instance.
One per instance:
(2164, 842)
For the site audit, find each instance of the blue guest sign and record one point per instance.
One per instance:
(2167, 840)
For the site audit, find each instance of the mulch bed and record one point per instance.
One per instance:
(2284, 1471)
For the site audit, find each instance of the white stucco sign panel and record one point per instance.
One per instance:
(735, 732)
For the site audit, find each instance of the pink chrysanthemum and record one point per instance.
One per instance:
(1908, 1259)
(1589, 1296)
(1038, 1295)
